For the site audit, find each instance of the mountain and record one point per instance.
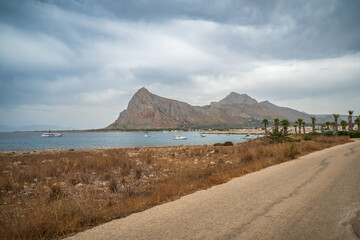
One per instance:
(285, 112)
(148, 111)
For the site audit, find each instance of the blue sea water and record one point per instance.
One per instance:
(30, 141)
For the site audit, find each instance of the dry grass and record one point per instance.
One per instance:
(55, 193)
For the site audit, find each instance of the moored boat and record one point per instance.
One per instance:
(179, 137)
(50, 134)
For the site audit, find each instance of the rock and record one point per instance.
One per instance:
(147, 110)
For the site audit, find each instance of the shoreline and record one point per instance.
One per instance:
(236, 131)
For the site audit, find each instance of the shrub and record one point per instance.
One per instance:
(329, 133)
(113, 185)
(343, 133)
(228, 143)
(291, 151)
(307, 137)
(278, 136)
(56, 192)
(355, 134)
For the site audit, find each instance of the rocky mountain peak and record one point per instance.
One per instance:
(236, 98)
(141, 96)
(141, 92)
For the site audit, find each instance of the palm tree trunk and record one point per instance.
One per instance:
(299, 128)
(336, 126)
(350, 123)
(304, 128)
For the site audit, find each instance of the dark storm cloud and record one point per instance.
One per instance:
(99, 52)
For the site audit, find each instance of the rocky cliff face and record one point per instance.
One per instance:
(146, 110)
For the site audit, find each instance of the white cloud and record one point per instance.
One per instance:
(108, 96)
(26, 50)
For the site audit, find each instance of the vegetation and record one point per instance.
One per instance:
(278, 136)
(50, 194)
(285, 124)
(299, 122)
(303, 125)
(295, 126)
(307, 137)
(352, 134)
(357, 121)
(336, 117)
(266, 123)
(343, 124)
(313, 120)
(350, 120)
(228, 143)
(276, 123)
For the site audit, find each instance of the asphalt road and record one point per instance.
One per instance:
(313, 197)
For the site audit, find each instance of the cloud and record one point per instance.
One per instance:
(61, 56)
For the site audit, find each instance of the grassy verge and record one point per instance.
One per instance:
(50, 194)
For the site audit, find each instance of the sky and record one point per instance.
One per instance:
(76, 64)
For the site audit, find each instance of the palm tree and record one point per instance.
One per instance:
(357, 121)
(265, 122)
(299, 122)
(333, 125)
(328, 125)
(313, 119)
(350, 120)
(336, 116)
(285, 124)
(343, 124)
(322, 127)
(295, 126)
(276, 123)
(303, 124)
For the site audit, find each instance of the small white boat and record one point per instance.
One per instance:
(50, 134)
(248, 136)
(147, 135)
(179, 137)
(202, 135)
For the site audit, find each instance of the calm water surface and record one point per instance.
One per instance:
(34, 141)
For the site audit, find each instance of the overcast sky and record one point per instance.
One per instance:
(77, 63)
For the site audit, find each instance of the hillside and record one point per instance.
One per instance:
(149, 111)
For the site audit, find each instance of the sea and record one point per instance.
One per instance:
(32, 141)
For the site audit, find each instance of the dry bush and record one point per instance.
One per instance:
(113, 185)
(247, 156)
(290, 150)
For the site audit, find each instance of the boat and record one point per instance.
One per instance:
(147, 135)
(247, 136)
(50, 134)
(179, 137)
(202, 135)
